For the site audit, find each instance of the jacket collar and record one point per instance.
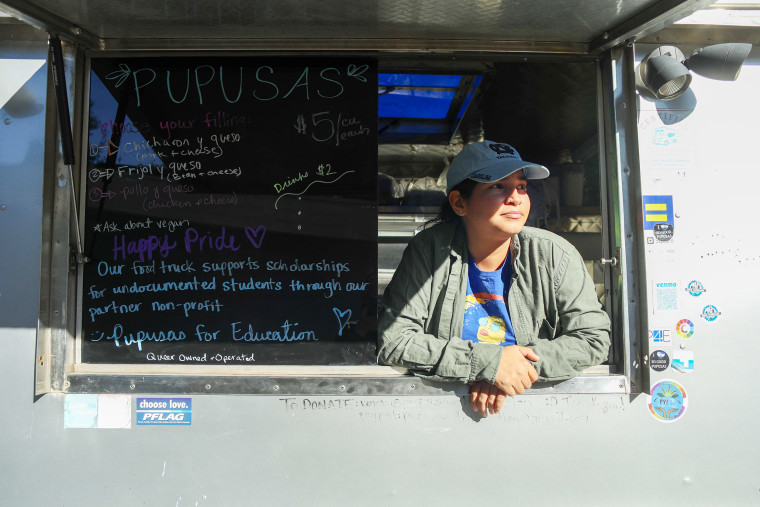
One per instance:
(459, 243)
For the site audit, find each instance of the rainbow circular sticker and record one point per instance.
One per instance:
(667, 401)
(685, 328)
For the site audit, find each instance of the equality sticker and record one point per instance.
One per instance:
(685, 328)
(695, 288)
(164, 411)
(658, 216)
(710, 313)
(683, 361)
(659, 360)
(667, 401)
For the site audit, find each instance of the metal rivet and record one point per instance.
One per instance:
(208, 386)
(276, 387)
(342, 388)
(412, 386)
(131, 386)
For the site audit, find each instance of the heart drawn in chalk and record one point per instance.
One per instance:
(343, 319)
(256, 236)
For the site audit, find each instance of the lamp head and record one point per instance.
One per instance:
(664, 74)
(721, 61)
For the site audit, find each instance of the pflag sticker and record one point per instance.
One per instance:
(658, 215)
(164, 411)
(667, 401)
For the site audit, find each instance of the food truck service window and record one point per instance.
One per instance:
(240, 216)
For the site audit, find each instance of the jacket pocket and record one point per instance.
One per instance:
(546, 331)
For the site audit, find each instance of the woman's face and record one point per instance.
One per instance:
(496, 210)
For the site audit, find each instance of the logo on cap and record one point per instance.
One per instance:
(502, 149)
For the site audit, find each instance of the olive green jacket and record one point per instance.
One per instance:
(552, 304)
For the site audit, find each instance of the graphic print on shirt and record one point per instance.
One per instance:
(491, 329)
(486, 317)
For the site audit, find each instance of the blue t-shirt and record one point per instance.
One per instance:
(486, 316)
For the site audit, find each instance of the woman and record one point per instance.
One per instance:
(481, 299)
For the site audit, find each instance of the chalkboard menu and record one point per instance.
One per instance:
(230, 212)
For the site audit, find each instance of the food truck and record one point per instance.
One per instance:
(203, 202)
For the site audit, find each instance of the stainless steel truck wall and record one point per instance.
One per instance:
(698, 167)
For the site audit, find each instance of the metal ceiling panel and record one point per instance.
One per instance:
(524, 25)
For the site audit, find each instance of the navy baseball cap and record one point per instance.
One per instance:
(489, 161)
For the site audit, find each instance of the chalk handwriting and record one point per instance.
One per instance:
(327, 127)
(304, 177)
(344, 319)
(120, 338)
(106, 226)
(187, 285)
(283, 334)
(210, 241)
(193, 200)
(187, 307)
(95, 194)
(256, 236)
(263, 84)
(295, 265)
(358, 72)
(113, 308)
(142, 247)
(250, 284)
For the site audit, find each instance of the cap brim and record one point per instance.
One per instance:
(504, 168)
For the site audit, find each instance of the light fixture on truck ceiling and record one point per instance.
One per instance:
(665, 71)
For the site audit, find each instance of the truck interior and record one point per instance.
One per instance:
(536, 75)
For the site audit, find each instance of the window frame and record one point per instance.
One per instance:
(60, 298)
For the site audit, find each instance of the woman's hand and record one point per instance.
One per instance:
(486, 398)
(516, 373)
